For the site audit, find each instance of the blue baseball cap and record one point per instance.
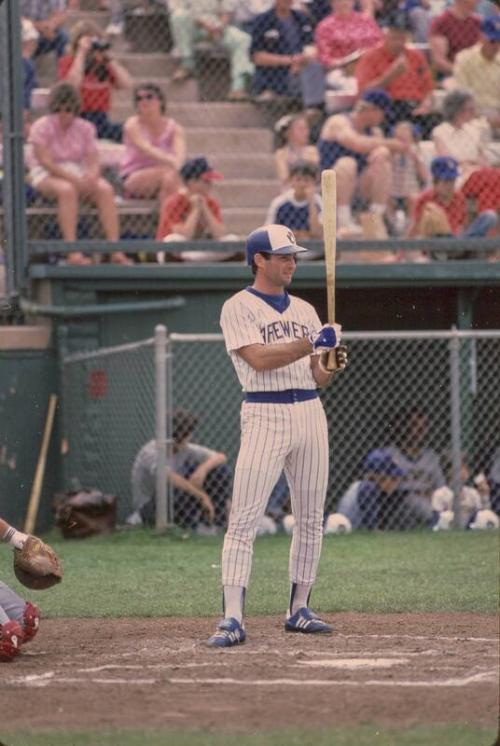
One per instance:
(272, 239)
(379, 98)
(490, 27)
(199, 168)
(444, 168)
(381, 462)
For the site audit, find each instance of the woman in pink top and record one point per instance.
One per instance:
(65, 167)
(155, 147)
(343, 32)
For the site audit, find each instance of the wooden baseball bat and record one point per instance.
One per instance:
(36, 490)
(329, 197)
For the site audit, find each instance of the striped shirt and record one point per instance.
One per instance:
(247, 319)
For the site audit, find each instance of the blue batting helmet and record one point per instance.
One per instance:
(272, 239)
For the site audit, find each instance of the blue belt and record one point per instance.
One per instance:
(290, 396)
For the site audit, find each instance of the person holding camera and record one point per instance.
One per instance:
(91, 68)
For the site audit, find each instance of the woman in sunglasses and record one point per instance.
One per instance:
(65, 167)
(155, 147)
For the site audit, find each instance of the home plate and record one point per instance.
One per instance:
(351, 663)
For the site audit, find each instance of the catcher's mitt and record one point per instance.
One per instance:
(36, 565)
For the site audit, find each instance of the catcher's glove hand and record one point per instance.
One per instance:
(36, 565)
(341, 360)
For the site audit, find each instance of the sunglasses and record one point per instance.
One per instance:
(65, 109)
(145, 97)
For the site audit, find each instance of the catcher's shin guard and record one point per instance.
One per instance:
(11, 637)
(31, 621)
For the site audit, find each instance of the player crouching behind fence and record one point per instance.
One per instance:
(199, 475)
(65, 167)
(276, 343)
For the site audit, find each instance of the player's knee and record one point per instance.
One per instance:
(346, 167)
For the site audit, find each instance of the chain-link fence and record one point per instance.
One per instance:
(165, 82)
(415, 417)
(108, 415)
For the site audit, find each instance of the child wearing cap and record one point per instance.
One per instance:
(193, 213)
(300, 207)
(442, 209)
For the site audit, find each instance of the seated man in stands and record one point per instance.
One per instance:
(442, 210)
(355, 145)
(403, 73)
(457, 28)
(299, 208)
(48, 17)
(199, 475)
(90, 67)
(285, 58)
(192, 21)
(65, 167)
(477, 70)
(193, 213)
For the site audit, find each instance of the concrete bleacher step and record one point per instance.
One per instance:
(245, 165)
(234, 140)
(216, 114)
(243, 220)
(247, 192)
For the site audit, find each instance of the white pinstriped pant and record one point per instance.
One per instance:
(274, 437)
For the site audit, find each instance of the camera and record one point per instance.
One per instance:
(100, 45)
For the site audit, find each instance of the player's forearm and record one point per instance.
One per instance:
(10, 535)
(270, 357)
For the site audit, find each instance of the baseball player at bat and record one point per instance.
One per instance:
(19, 619)
(276, 343)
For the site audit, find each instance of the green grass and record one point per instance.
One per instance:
(138, 574)
(365, 736)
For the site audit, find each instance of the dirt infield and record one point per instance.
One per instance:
(394, 669)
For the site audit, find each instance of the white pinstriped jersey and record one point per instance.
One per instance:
(247, 319)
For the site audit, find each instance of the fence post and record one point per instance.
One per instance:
(456, 445)
(161, 426)
(169, 428)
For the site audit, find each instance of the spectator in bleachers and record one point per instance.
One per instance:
(442, 209)
(29, 40)
(401, 71)
(48, 17)
(90, 67)
(193, 213)
(155, 147)
(477, 70)
(65, 167)
(355, 145)
(409, 174)
(300, 207)
(285, 58)
(199, 20)
(468, 139)
(295, 133)
(457, 28)
(343, 32)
